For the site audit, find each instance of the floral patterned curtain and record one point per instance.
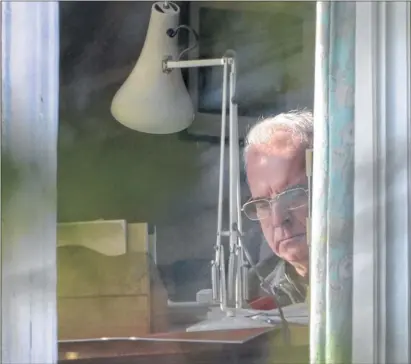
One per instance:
(333, 184)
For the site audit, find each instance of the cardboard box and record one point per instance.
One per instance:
(108, 285)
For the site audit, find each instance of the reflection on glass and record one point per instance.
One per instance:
(262, 55)
(275, 63)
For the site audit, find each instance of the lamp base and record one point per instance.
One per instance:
(223, 321)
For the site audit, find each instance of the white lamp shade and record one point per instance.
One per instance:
(150, 100)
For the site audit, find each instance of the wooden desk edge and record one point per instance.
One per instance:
(74, 352)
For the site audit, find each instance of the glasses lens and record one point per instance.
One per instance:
(293, 199)
(288, 200)
(257, 210)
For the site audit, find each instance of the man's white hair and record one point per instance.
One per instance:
(300, 124)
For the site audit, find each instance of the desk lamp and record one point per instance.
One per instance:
(155, 100)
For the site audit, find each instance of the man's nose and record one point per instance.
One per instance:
(278, 215)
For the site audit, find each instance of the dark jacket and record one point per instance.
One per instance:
(280, 277)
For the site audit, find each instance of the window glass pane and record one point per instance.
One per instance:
(138, 211)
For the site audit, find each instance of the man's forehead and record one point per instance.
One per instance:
(262, 155)
(272, 170)
(272, 167)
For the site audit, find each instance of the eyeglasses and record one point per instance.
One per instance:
(292, 199)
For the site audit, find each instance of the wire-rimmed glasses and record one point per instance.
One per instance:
(289, 200)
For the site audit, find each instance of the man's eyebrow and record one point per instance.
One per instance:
(251, 199)
(300, 185)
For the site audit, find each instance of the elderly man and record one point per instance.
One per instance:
(275, 166)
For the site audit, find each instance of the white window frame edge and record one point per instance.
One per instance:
(381, 302)
(29, 126)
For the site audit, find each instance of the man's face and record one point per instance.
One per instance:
(272, 170)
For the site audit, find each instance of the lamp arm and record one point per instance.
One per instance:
(219, 288)
(235, 261)
(237, 280)
(238, 269)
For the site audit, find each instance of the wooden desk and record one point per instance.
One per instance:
(251, 346)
